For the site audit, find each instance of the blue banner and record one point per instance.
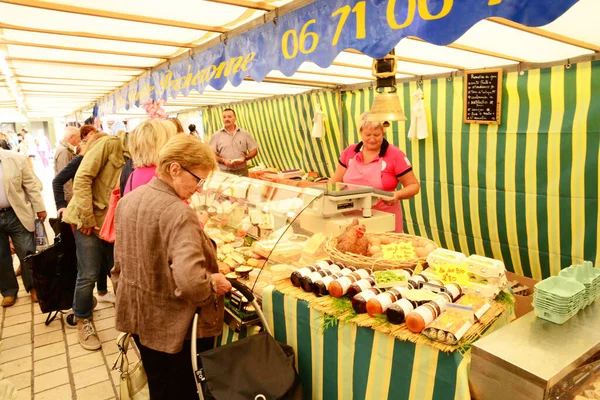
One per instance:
(318, 32)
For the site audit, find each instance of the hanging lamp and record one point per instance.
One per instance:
(386, 105)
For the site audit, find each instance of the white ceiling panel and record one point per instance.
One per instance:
(527, 46)
(446, 55)
(88, 43)
(197, 12)
(63, 21)
(298, 76)
(79, 57)
(581, 22)
(132, 36)
(71, 82)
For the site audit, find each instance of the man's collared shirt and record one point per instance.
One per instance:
(233, 146)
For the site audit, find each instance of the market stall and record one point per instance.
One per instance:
(530, 217)
(501, 188)
(267, 232)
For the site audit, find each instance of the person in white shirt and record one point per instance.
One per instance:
(20, 202)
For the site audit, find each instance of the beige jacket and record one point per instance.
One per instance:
(96, 178)
(23, 189)
(62, 156)
(163, 266)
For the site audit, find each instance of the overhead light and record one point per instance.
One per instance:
(386, 105)
(11, 81)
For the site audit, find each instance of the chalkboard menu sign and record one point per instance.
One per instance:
(483, 96)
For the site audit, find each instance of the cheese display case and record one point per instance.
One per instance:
(256, 228)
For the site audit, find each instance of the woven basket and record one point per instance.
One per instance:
(376, 264)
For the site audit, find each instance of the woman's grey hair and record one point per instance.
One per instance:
(363, 123)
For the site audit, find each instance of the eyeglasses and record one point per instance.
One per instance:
(200, 180)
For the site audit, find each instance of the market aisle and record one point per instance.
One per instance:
(47, 362)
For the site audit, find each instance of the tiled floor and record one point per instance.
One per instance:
(47, 362)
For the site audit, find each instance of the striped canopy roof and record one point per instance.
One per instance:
(59, 57)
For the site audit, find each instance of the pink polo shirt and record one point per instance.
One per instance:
(395, 163)
(140, 176)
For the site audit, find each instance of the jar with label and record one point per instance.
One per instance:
(422, 316)
(454, 290)
(359, 302)
(320, 286)
(339, 287)
(436, 282)
(439, 304)
(380, 303)
(302, 272)
(446, 296)
(397, 312)
(415, 280)
(360, 285)
(306, 282)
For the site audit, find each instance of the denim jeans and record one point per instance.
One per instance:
(94, 257)
(24, 243)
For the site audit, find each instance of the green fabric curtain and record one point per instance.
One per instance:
(283, 126)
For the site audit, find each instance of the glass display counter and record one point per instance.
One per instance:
(256, 227)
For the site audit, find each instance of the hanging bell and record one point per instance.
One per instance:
(386, 107)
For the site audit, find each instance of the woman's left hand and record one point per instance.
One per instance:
(203, 217)
(391, 202)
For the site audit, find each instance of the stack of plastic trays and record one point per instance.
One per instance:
(587, 275)
(558, 299)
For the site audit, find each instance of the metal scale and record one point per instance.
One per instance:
(341, 203)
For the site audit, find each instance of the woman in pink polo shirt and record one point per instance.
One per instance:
(376, 163)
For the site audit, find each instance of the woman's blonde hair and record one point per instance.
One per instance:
(147, 139)
(91, 140)
(363, 123)
(187, 151)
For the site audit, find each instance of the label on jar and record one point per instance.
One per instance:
(418, 278)
(363, 273)
(316, 275)
(366, 296)
(346, 271)
(304, 271)
(426, 313)
(385, 300)
(454, 290)
(327, 280)
(440, 301)
(363, 284)
(334, 269)
(405, 305)
(322, 264)
(345, 283)
(399, 290)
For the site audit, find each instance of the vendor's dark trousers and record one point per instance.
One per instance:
(23, 240)
(171, 376)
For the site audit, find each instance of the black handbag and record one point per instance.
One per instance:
(54, 271)
(254, 367)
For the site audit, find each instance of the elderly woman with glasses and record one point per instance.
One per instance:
(375, 162)
(166, 268)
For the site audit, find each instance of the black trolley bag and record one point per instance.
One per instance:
(254, 368)
(54, 271)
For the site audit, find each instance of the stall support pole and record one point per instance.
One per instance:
(340, 106)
